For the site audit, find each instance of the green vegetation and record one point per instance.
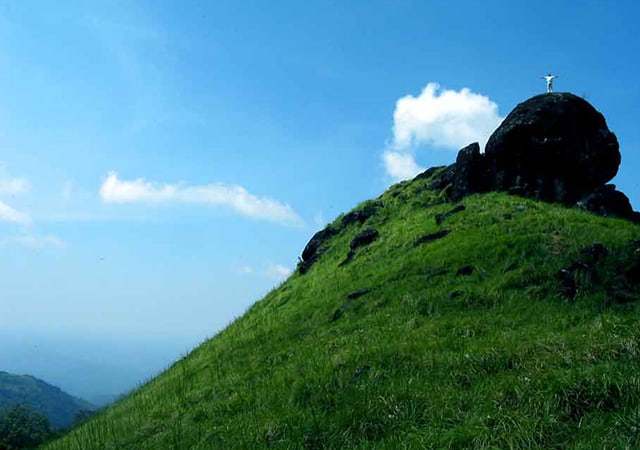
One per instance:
(499, 354)
(59, 407)
(23, 428)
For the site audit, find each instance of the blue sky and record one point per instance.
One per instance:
(162, 164)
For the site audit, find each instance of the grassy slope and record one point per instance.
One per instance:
(507, 363)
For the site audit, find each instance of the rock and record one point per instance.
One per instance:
(364, 238)
(312, 250)
(428, 173)
(568, 287)
(337, 314)
(594, 252)
(607, 201)
(568, 280)
(317, 240)
(362, 214)
(466, 270)
(444, 216)
(304, 266)
(471, 173)
(444, 180)
(358, 294)
(430, 237)
(554, 147)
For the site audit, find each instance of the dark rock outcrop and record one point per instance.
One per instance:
(365, 237)
(607, 201)
(615, 271)
(554, 147)
(430, 237)
(357, 294)
(317, 240)
(362, 214)
(465, 270)
(471, 173)
(313, 250)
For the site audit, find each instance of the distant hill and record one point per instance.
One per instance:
(59, 407)
(457, 310)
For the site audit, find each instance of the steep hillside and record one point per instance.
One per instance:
(59, 407)
(493, 322)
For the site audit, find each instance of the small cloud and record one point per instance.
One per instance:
(438, 118)
(36, 242)
(272, 271)
(401, 166)
(13, 186)
(277, 272)
(243, 269)
(8, 214)
(114, 190)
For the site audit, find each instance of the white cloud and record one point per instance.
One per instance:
(114, 190)
(8, 214)
(243, 269)
(277, 272)
(273, 271)
(401, 166)
(438, 118)
(444, 118)
(36, 242)
(14, 186)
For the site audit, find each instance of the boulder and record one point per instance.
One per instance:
(312, 251)
(554, 147)
(317, 240)
(607, 201)
(471, 173)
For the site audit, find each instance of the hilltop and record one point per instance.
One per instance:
(58, 406)
(480, 305)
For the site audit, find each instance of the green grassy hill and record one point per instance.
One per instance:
(59, 407)
(500, 326)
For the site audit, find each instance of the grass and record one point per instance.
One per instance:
(496, 357)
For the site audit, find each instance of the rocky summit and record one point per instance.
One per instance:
(554, 147)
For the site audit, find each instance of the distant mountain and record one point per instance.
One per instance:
(59, 407)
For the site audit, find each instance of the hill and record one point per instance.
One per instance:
(464, 341)
(59, 407)
(443, 314)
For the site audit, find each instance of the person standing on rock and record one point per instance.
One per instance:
(549, 78)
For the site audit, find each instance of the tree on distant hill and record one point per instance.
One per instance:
(23, 428)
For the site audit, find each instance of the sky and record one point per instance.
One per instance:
(163, 164)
